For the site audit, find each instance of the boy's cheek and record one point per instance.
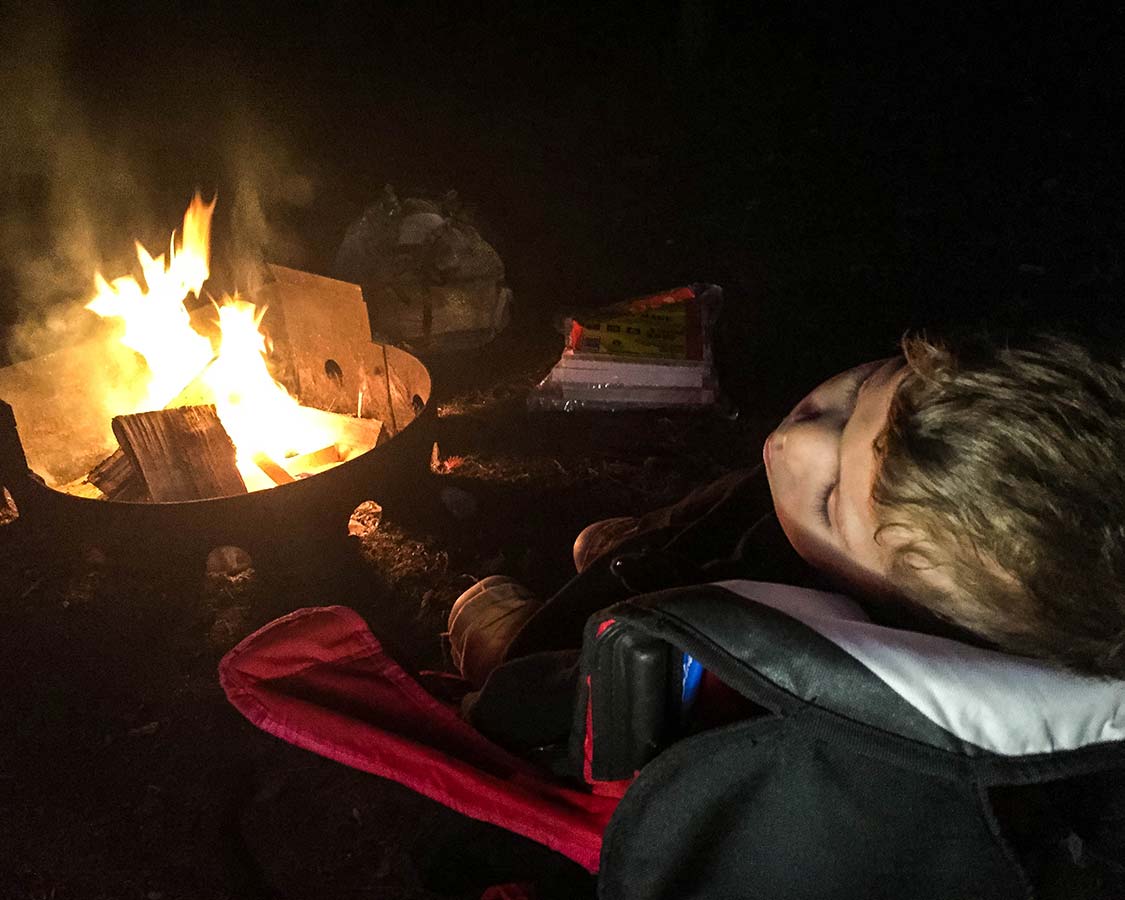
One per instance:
(813, 540)
(809, 546)
(794, 511)
(816, 546)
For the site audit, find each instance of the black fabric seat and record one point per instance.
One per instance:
(884, 764)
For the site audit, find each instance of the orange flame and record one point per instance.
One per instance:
(258, 413)
(157, 325)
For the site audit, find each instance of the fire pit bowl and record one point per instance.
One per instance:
(284, 524)
(164, 434)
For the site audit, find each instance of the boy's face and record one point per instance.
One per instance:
(821, 466)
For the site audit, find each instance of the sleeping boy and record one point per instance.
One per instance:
(976, 489)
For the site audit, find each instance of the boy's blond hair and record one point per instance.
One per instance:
(1002, 474)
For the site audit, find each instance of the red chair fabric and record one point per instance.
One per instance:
(318, 678)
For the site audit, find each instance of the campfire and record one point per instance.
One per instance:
(189, 422)
(199, 412)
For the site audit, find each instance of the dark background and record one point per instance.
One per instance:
(845, 173)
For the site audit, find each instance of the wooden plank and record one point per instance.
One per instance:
(277, 474)
(391, 380)
(352, 436)
(316, 460)
(181, 454)
(116, 478)
(319, 327)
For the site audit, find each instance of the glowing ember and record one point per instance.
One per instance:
(258, 413)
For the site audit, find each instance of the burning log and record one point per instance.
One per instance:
(180, 454)
(276, 473)
(353, 436)
(196, 392)
(318, 459)
(301, 466)
(117, 479)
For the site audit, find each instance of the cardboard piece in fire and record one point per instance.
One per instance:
(430, 280)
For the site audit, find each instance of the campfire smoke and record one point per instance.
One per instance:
(91, 164)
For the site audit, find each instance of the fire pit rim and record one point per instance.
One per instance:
(313, 512)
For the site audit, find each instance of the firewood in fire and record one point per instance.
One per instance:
(196, 392)
(116, 478)
(181, 454)
(306, 463)
(353, 436)
(276, 473)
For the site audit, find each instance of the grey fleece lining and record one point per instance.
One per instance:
(1006, 704)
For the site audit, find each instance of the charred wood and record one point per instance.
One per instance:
(116, 478)
(181, 454)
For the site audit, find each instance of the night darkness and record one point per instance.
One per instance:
(846, 174)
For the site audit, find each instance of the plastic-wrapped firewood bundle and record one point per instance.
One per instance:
(650, 353)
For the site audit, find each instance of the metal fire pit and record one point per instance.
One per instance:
(321, 333)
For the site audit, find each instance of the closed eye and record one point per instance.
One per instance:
(822, 507)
